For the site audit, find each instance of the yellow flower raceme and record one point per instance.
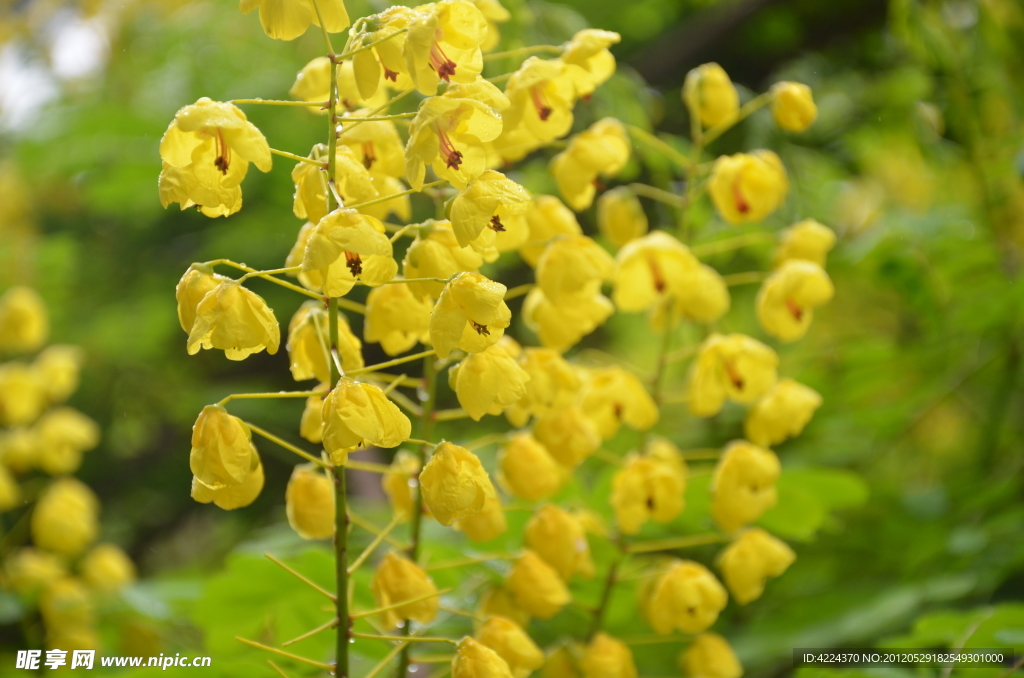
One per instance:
(552, 387)
(444, 44)
(488, 214)
(24, 325)
(750, 559)
(793, 106)
(686, 596)
(536, 586)
(734, 367)
(352, 180)
(435, 253)
(386, 59)
(447, 134)
(788, 297)
(309, 502)
(222, 451)
(487, 524)
(649, 487)
(347, 246)
(528, 471)
(454, 484)
(59, 368)
(396, 318)
(709, 656)
(512, 644)
(398, 579)
(569, 266)
(547, 217)
(206, 152)
(357, 414)
(107, 568)
(782, 413)
(308, 341)
(232, 318)
(489, 381)
(64, 434)
(473, 659)
(558, 537)
(65, 518)
(747, 187)
(22, 394)
(231, 497)
(471, 314)
(541, 95)
(288, 19)
(570, 436)
(808, 240)
(561, 326)
(620, 216)
(600, 150)
(710, 95)
(743, 486)
(588, 60)
(607, 657)
(612, 396)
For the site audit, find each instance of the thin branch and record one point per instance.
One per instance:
(394, 606)
(372, 546)
(309, 634)
(300, 577)
(289, 655)
(287, 445)
(672, 543)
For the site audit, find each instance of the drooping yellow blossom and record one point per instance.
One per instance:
(10, 494)
(569, 265)
(782, 413)
(589, 61)
(65, 517)
(447, 134)
(612, 396)
(222, 451)
(600, 150)
(357, 414)
(347, 246)
(620, 216)
(497, 600)
(396, 318)
(352, 180)
(750, 559)
(24, 325)
(743, 486)
(19, 449)
(747, 187)
(386, 58)
(236, 320)
(793, 106)
(487, 524)
(488, 213)
(788, 297)
(528, 471)
(206, 152)
(288, 19)
(374, 143)
(495, 14)
(709, 656)
(471, 314)
(399, 482)
(59, 368)
(489, 381)
(547, 217)
(198, 280)
(561, 326)
(444, 44)
(552, 387)
(473, 659)
(512, 644)
(607, 657)
(231, 497)
(569, 436)
(311, 425)
(308, 341)
(64, 434)
(734, 367)
(435, 253)
(66, 604)
(541, 95)
(309, 502)
(107, 568)
(313, 84)
(558, 537)
(398, 579)
(536, 586)
(454, 484)
(28, 569)
(648, 487)
(686, 596)
(22, 394)
(808, 240)
(710, 95)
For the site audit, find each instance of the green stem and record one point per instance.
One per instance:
(744, 112)
(745, 278)
(661, 145)
(277, 102)
(352, 52)
(606, 597)
(341, 570)
(390, 363)
(667, 197)
(377, 201)
(297, 158)
(532, 49)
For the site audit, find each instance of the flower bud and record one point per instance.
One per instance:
(64, 434)
(487, 524)
(66, 604)
(454, 484)
(793, 106)
(807, 240)
(59, 368)
(788, 297)
(569, 437)
(747, 187)
(686, 597)
(222, 451)
(601, 150)
(311, 425)
(24, 325)
(309, 502)
(528, 471)
(560, 664)
(568, 265)
(750, 559)
(620, 216)
(471, 314)
(232, 318)
(231, 497)
(473, 659)
(65, 518)
(511, 643)
(398, 579)
(591, 61)
(710, 95)
(607, 657)
(396, 318)
(22, 394)
(28, 569)
(107, 568)
(308, 341)
(709, 656)
(743, 486)
(489, 381)
(558, 537)
(782, 413)
(19, 449)
(734, 367)
(399, 482)
(198, 280)
(536, 586)
(612, 396)
(357, 414)
(649, 487)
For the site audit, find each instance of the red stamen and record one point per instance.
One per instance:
(452, 157)
(354, 263)
(742, 206)
(657, 276)
(368, 155)
(442, 65)
(734, 376)
(540, 103)
(496, 225)
(390, 75)
(223, 161)
(794, 310)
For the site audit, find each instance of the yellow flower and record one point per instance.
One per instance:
(66, 604)
(734, 367)
(495, 14)
(709, 656)
(28, 569)
(107, 568)
(313, 84)
(375, 144)
(473, 659)
(528, 471)
(620, 216)
(782, 413)
(654, 268)
(399, 206)
(447, 134)
(10, 494)
(747, 187)
(435, 253)
(198, 280)
(64, 434)
(398, 579)
(750, 559)
(489, 381)
(352, 180)
(65, 518)
(487, 524)
(347, 246)
(552, 387)
(703, 298)
(793, 106)
(612, 396)
(561, 326)
(560, 663)
(231, 497)
(536, 586)
(454, 484)
(206, 152)
(309, 502)
(743, 486)
(488, 213)
(288, 19)
(396, 318)
(222, 451)
(807, 240)
(471, 314)
(649, 488)
(541, 94)
(59, 367)
(686, 596)
(19, 448)
(558, 537)
(22, 394)
(710, 95)
(589, 62)
(511, 643)
(24, 325)
(232, 318)
(569, 265)
(311, 425)
(547, 217)
(387, 56)
(308, 340)
(398, 483)
(357, 414)
(443, 43)
(570, 436)
(480, 90)
(788, 297)
(602, 149)
(607, 657)
(497, 600)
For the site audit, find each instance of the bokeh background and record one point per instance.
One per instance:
(916, 161)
